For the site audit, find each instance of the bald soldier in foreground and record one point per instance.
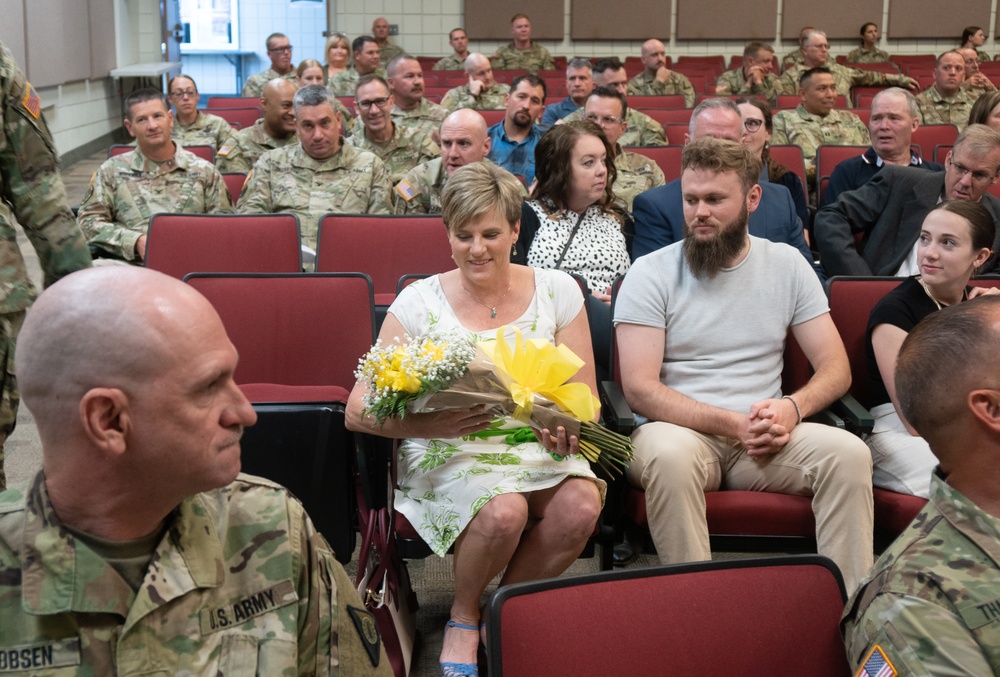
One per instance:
(929, 606)
(138, 548)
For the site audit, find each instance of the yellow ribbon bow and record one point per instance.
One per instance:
(537, 367)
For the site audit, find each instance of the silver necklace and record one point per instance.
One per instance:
(492, 309)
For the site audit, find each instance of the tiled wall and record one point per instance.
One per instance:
(424, 26)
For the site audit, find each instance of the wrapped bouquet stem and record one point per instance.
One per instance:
(527, 381)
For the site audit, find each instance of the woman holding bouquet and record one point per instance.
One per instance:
(524, 508)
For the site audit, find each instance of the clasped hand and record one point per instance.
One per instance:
(768, 427)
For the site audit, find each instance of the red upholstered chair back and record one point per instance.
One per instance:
(791, 157)
(828, 157)
(670, 116)
(738, 617)
(179, 244)
(789, 101)
(244, 117)
(929, 137)
(676, 133)
(668, 158)
(234, 184)
(216, 102)
(384, 247)
(295, 330)
(492, 116)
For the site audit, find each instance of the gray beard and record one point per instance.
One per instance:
(706, 258)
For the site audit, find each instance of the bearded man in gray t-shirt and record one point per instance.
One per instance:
(701, 328)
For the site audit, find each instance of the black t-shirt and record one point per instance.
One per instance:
(903, 307)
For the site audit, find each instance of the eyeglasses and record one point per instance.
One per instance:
(287, 49)
(183, 93)
(368, 103)
(979, 177)
(752, 124)
(604, 121)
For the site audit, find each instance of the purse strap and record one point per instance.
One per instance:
(569, 241)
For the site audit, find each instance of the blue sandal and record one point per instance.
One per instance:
(460, 669)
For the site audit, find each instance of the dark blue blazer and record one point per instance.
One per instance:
(659, 220)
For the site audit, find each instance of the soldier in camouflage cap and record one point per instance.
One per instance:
(607, 108)
(32, 193)
(642, 130)
(274, 130)
(815, 122)
(411, 109)
(658, 80)
(279, 50)
(816, 51)
(931, 603)
(463, 141)
(180, 565)
(482, 92)
(459, 41)
(193, 127)
(366, 62)
(945, 102)
(157, 177)
(523, 53)
(318, 175)
(399, 147)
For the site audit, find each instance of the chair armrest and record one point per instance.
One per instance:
(858, 419)
(617, 414)
(827, 417)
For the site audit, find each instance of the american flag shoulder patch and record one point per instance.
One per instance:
(876, 664)
(31, 101)
(405, 190)
(225, 150)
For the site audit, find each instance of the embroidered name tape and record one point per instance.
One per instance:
(247, 608)
(27, 657)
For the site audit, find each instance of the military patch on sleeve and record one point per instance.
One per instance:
(405, 190)
(224, 150)
(31, 101)
(876, 664)
(367, 629)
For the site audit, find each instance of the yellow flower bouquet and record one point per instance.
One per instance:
(527, 381)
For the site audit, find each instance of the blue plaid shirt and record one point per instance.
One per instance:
(516, 158)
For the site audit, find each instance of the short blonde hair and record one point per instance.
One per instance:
(334, 39)
(480, 189)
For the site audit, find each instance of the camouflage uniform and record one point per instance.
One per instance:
(938, 109)
(533, 59)
(254, 86)
(862, 55)
(636, 173)
(801, 128)
(212, 601)
(419, 191)
(32, 192)
(976, 92)
(128, 189)
(427, 117)
(388, 52)
(247, 146)
(734, 82)
(450, 63)
(645, 84)
(844, 78)
(344, 82)
(792, 59)
(489, 99)
(642, 129)
(206, 130)
(930, 602)
(406, 149)
(288, 180)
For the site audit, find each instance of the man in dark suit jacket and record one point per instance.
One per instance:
(888, 211)
(659, 212)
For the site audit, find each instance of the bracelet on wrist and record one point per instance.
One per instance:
(798, 412)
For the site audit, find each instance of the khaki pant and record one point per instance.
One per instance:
(676, 466)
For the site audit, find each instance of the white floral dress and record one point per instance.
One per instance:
(442, 483)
